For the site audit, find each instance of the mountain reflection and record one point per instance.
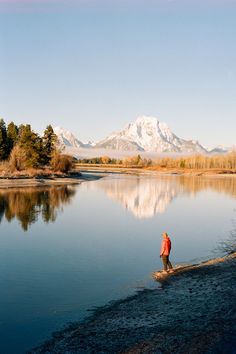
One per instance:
(28, 204)
(144, 197)
(147, 196)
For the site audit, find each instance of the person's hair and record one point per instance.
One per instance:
(165, 233)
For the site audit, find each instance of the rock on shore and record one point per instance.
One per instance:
(193, 312)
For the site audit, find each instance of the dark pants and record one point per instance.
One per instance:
(166, 262)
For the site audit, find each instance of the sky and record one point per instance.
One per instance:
(92, 67)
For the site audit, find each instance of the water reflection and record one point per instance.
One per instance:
(226, 185)
(34, 300)
(147, 196)
(27, 204)
(144, 197)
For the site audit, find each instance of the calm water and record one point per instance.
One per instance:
(64, 250)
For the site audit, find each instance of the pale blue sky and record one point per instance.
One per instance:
(94, 66)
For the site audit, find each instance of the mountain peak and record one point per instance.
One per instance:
(146, 120)
(66, 138)
(147, 133)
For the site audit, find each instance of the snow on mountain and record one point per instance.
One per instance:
(145, 134)
(148, 134)
(90, 143)
(220, 149)
(67, 139)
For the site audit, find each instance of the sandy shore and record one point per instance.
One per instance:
(41, 182)
(193, 311)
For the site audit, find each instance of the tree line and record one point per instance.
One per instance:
(132, 161)
(22, 148)
(196, 162)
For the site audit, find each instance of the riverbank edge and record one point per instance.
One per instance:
(156, 172)
(191, 312)
(6, 183)
(94, 173)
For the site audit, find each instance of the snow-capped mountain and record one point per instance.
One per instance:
(148, 134)
(67, 139)
(90, 143)
(220, 149)
(145, 134)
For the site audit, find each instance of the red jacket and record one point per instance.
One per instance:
(165, 247)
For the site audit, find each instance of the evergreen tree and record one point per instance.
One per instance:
(3, 141)
(49, 144)
(12, 135)
(20, 129)
(31, 143)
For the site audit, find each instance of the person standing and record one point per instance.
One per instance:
(165, 252)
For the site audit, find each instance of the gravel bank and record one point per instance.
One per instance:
(49, 181)
(194, 311)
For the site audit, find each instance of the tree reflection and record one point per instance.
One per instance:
(197, 184)
(28, 204)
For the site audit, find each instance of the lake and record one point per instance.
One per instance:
(67, 249)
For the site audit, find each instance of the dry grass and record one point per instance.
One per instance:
(198, 162)
(6, 172)
(61, 162)
(4, 167)
(217, 163)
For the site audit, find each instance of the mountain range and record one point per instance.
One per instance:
(145, 134)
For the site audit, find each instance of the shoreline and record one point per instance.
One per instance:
(193, 311)
(95, 173)
(156, 172)
(6, 183)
